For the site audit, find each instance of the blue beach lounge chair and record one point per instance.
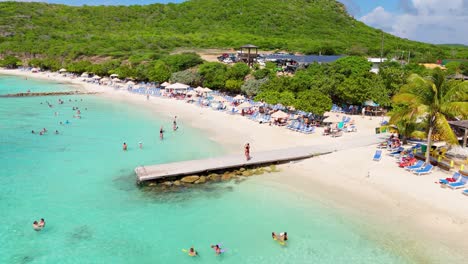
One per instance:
(426, 170)
(456, 176)
(459, 184)
(416, 166)
(378, 155)
(465, 192)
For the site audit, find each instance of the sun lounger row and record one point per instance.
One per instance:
(456, 182)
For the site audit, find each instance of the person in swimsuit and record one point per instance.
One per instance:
(42, 223)
(56, 132)
(192, 252)
(125, 146)
(140, 144)
(217, 249)
(274, 236)
(247, 151)
(161, 133)
(36, 226)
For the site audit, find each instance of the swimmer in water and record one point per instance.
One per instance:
(274, 236)
(32, 131)
(217, 249)
(42, 223)
(56, 132)
(161, 133)
(36, 226)
(44, 130)
(192, 252)
(125, 146)
(140, 144)
(284, 236)
(67, 122)
(41, 133)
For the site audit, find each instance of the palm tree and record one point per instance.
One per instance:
(404, 117)
(435, 99)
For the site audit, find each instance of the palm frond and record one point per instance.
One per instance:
(444, 130)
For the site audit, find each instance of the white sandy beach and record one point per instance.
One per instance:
(347, 178)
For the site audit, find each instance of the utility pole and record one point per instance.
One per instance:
(381, 47)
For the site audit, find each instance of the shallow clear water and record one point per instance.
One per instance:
(83, 184)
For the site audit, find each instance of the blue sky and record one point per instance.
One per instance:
(432, 21)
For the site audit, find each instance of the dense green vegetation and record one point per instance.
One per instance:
(434, 100)
(144, 33)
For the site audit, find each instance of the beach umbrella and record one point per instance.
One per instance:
(218, 98)
(104, 80)
(114, 75)
(130, 83)
(333, 119)
(207, 90)
(370, 103)
(96, 77)
(164, 84)
(199, 89)
(239, 97)
(177, 86)
(279, 114)
(192, 93)
(62, 70)
(116, 80)
(85, 74)
(244, 105)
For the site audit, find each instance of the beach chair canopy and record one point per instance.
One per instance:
(164, 84)
(96, 77)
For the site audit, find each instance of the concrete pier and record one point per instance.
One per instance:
(182, 168)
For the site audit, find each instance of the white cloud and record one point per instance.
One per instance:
(434, 21)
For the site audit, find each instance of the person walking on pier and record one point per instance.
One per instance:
(247, 151)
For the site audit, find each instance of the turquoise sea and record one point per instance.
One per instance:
(83, 184)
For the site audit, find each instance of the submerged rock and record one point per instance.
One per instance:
(201, 180)
(177, 183)
(167, 183)
(190, 179)
(226, 177)
(247, 173)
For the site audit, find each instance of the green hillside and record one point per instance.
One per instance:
(146, 32)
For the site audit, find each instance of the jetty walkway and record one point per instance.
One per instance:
(47, 94)
(190, 167)
(182, 168)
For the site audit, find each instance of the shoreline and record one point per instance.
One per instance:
(347, 179)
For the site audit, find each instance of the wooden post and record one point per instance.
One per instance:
(464, 138)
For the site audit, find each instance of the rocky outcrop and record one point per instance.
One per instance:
(190, 179)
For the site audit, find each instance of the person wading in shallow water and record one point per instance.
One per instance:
(247, 151)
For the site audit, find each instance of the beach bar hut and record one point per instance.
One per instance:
(461, 125)
(176, 87)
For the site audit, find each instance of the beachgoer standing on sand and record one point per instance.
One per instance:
(147, 97)
(247, 151)
(125, 146)
(174, 125)
(161, 133)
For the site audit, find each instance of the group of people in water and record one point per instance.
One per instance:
(38, 226)
(60, 101)
(161, 134)
(281, 238)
